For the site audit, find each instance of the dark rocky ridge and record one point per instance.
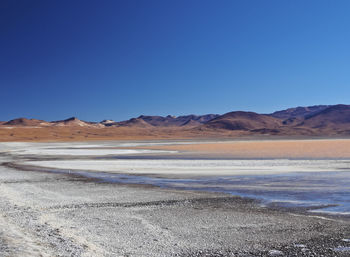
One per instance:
(24, 122)
(298, 112)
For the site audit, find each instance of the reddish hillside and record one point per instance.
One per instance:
(25, 122)
(191, 123)
(75, 122)
(299, 112)
(243, 121)
(134, 122)
(173, 121)
(335, 117)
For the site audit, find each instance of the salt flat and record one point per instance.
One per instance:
(73, 149)
(44, 213)
(197, 167)
(84, 152)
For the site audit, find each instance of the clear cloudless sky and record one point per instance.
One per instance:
(122, 58)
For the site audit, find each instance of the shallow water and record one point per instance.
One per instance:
(325, 192)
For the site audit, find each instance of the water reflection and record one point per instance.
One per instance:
(286, 190)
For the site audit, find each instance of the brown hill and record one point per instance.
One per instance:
(336, 117)
(73, 121)
(202, 118)
(191, 123)
(243, 121)
(108, 123)
(25, 122)
(298, 112)
(134, 122)
(173, 121)
(158, 121)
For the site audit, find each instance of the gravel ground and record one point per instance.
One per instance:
(47, 214)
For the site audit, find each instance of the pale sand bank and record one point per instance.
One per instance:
(87, 152)
(185, 168)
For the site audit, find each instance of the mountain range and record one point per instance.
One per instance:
(311, 120)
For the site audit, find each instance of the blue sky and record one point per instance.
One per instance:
(120, 59)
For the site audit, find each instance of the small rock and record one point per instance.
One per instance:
(275, 253)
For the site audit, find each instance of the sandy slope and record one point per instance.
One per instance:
(76, 133)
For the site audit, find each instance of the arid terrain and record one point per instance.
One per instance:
(300, 122)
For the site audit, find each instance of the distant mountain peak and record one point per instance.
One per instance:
(133, 122)
(24, 122)
(72, 119)
(240, 120)
(107, 121)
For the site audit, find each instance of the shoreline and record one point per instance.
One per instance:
(310, 211)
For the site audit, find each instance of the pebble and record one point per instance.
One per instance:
(300, 245)
(275, 253)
